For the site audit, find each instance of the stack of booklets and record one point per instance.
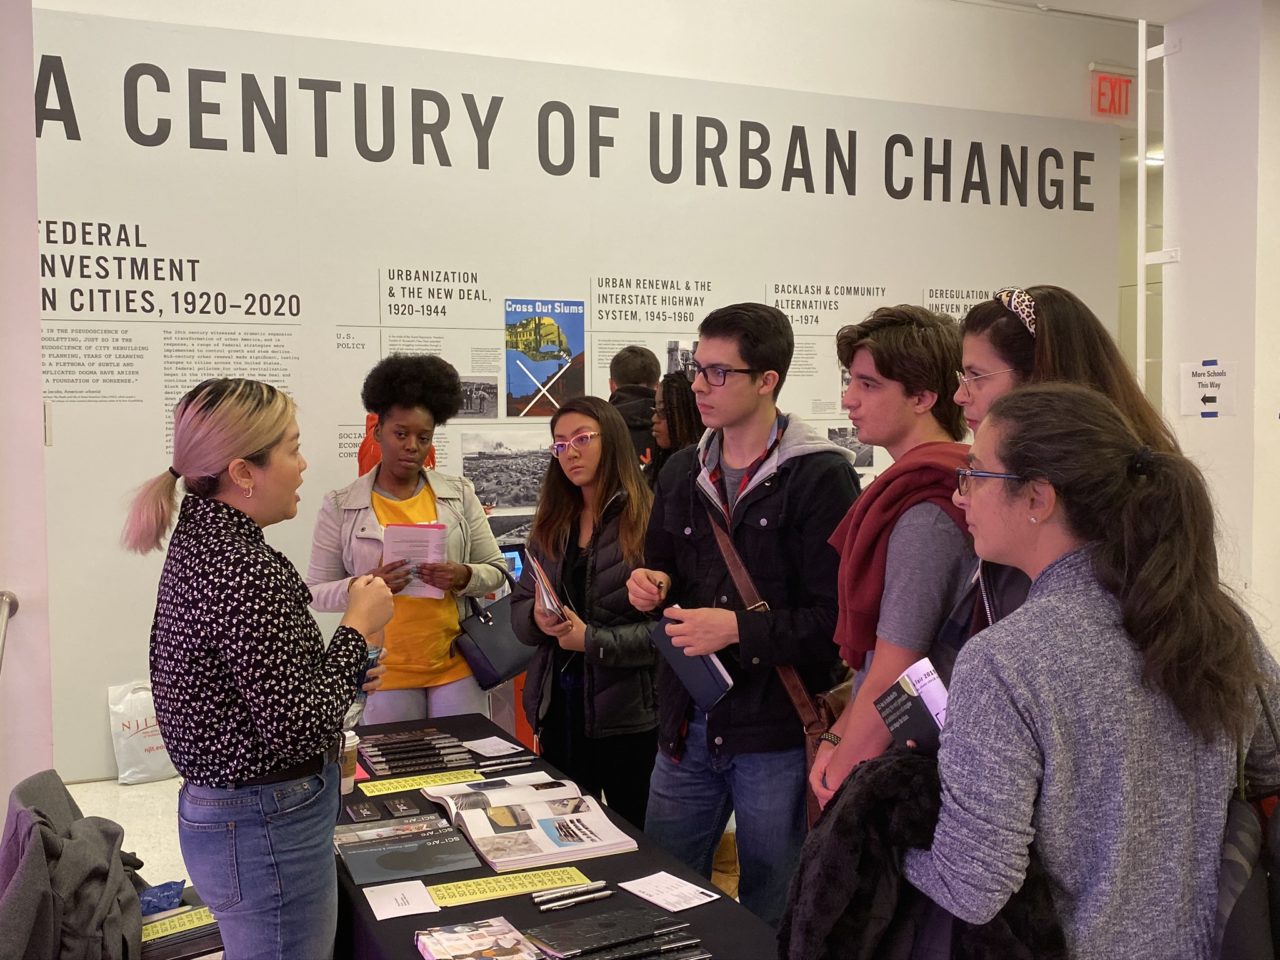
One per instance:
(404, 848)
(426, 750)
(628, 933)
(530, 820)
(184, 933)
(481, 938)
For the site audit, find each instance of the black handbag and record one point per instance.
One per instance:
(1248, 916)
(488, 643)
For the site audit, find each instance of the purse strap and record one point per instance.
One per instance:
(476, 609)
(799, 695)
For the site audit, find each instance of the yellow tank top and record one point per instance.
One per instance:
(422, 629)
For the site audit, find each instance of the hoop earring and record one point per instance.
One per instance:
(248, 493)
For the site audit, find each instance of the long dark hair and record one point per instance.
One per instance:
(1070, 345)
(560, 503)
(1150, 518)
(684, 422)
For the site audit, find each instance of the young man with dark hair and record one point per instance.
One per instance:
(778, 489)
(905, 552)
(633, 382)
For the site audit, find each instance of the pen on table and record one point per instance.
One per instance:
(506, 766)
(561, 904)
(504, 760)
(544, 896)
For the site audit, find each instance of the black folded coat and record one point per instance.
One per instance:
(849, 899)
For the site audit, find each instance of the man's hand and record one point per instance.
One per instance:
(818, 774)
(702, 630)
(647, 588)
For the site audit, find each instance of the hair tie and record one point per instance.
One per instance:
(1140, 462)
(1021, 304)
(176, 474)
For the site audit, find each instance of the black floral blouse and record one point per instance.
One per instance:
(243, 683)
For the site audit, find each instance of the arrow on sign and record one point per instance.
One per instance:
(1208, 399)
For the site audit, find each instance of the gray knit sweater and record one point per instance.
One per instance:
(1053, 739)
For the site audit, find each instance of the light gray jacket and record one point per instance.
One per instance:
(348, 539)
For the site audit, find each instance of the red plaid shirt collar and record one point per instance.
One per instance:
(711, 462)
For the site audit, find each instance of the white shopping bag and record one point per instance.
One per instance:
(140, 752)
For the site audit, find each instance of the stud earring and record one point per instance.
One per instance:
(1033, 519)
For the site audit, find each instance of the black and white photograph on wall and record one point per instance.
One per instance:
(506, 464)
(846, 378)
(847, 437)
(680, 355)
(479, 397)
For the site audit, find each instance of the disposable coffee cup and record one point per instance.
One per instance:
(349, 743)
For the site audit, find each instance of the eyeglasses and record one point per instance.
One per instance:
(965, 381)
(965, 474)
(714, 373)
(578, 442)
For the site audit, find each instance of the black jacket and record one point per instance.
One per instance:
(780, 527)
(849, 899)
(619, 659)
(635, 403)
(994, 592)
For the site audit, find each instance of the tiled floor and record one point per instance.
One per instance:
(149, 814)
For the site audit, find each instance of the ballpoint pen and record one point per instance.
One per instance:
(506, 766)
(545, 896)
(561, 904)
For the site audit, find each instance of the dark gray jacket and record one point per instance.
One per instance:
(66, 889)
(619, 658)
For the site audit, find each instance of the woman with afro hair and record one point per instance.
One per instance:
(412, 396)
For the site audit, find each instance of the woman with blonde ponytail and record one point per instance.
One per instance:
(248, 697)
(1098, 723)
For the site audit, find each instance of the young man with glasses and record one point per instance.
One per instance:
(905, 551)
(778, 489)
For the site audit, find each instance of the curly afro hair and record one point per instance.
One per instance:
(413, 380)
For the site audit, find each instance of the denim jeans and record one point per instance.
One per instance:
(262, 859)
(690, 802)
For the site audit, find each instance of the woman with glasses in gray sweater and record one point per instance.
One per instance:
(1099, 722)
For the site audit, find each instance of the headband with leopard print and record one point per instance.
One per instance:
(1020, 303)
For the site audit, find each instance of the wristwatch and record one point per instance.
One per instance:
(829, 737)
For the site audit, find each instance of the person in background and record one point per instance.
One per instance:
(778, 490)
(676, 422)
(1041, 334)
(589, 693)
(905, 555)
(1098, 723)
(413, 396)
(248, 697)
(633, 380)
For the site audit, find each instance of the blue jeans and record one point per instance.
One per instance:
(690, 802)
(262, 859)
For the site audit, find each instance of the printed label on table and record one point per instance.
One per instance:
(376, 788)
(199, 917)
(670, 893)
(507, 885)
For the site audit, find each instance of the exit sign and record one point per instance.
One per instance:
(1109, 93)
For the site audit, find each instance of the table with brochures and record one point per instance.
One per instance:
(727, 929)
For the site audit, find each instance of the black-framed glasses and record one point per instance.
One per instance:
(965, 474)
(965, 381)
(578, 442)
(714, 373)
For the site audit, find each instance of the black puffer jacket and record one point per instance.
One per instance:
(619, 658)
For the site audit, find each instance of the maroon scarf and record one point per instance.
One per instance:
(925, 474)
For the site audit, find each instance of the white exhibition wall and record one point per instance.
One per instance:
(216, 201)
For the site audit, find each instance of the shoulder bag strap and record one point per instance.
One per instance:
(799, 695)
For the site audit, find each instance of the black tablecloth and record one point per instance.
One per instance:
(728, 930)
